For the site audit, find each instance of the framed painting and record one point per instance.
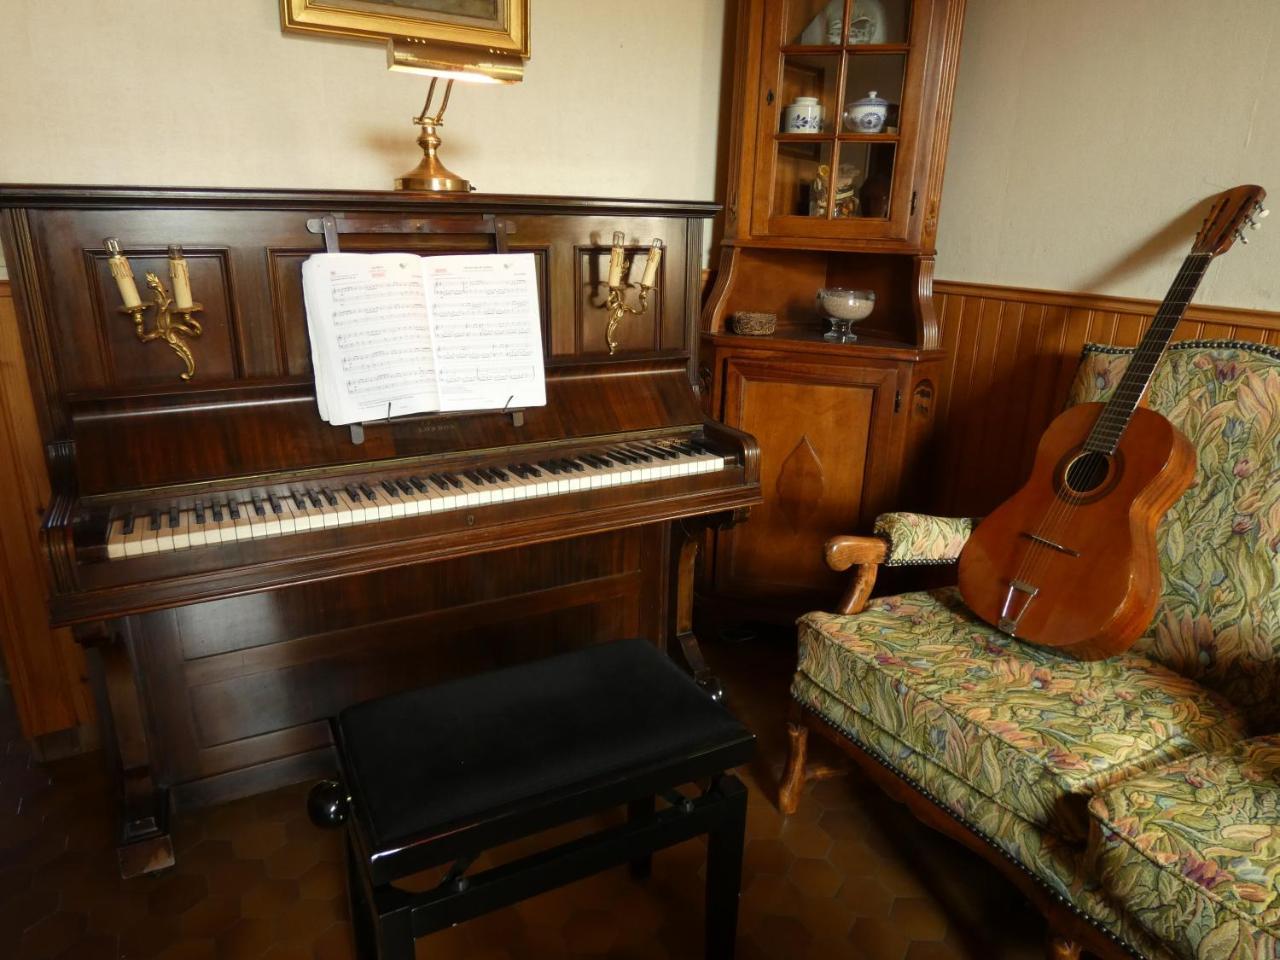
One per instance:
(501, 25)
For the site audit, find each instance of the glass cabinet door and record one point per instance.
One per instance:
(840, 122)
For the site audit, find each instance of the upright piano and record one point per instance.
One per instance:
(242, 570)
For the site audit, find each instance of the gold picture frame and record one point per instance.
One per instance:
(497, 25)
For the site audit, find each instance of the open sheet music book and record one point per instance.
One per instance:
(395, 334)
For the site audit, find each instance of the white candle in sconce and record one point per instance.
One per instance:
(651, 265)
(615, 259)
(123, 273)
(181, 277)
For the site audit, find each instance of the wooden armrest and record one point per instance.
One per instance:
(867, 553)
(843, 552)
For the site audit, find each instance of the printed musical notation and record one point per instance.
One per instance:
(395, 334)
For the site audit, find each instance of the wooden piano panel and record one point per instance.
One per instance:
(241, 687)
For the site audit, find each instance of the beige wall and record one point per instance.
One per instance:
(210, 93)
(1083, 129)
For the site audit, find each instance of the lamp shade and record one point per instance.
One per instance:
(468, 64)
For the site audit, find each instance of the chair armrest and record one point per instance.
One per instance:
(902, 539)
(866, 553)
(917, 538)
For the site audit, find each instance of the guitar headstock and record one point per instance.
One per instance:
(1231, 212)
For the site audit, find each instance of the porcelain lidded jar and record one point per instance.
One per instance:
(803, 115)
(866, 115)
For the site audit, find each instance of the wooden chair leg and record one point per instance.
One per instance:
(1060, 948)
(794, 777)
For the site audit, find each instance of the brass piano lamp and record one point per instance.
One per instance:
(443, 61)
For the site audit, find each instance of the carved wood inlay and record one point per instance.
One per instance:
(800, 484)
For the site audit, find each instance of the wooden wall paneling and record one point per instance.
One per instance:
(46, 668)
(1011, 357)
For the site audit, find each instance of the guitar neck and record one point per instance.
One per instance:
(1116, 414)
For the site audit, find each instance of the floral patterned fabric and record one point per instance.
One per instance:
(1059, 865)
(1219, 615)
(1192, 851)
(920, 538)
(1033, 730)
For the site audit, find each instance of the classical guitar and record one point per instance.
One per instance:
(1069, 561)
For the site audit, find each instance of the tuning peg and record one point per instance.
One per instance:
(1253, 224)
(1241, 237)
(1260, 210)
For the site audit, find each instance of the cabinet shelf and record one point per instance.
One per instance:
(843, 137)
(855, 48)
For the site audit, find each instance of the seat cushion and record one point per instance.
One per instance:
(1192, 851)
(445, 757)
(1031, 729)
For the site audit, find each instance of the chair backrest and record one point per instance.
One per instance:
(1219, 615)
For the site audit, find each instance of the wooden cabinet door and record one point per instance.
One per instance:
(815, 184)
(827, 442)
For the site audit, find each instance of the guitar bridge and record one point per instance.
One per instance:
(1015, 605)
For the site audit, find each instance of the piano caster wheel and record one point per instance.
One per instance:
(328, 804)
(711, 687)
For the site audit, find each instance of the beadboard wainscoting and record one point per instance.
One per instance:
(1011, 354)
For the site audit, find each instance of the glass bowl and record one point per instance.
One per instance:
(844, 307)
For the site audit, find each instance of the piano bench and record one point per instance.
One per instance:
(441, 775)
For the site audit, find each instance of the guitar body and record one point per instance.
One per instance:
(1070, 560)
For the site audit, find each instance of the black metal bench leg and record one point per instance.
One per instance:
(639, 809)
(724, 869)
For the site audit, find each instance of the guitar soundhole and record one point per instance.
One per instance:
(1088, 476)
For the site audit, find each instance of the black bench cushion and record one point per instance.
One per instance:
(432, 760)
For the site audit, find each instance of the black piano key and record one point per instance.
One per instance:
(217, 511)
(173, 517)
(640, 455)
(576, 466)
(257, 505)
(276, 508)
(473, 477)
(353, 493)
(329, 496)
(619, 457)
(404, 486)
(549, 466)
(233, 508)
(153, 522)
(199, 514)
(126, 523)
(453, 480)
(440, 482)
(516, 469)
(314, 497)
(299, 499)
(388, 486)
(530, 470)
(659, 452)
(418, 484)
(368, 492)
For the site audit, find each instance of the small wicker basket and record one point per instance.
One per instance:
(755, 324)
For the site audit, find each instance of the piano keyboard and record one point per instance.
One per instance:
(256, 514)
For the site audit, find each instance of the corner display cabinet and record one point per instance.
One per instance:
(841, 116)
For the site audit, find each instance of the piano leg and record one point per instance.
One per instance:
(686, 535)
(145, 845)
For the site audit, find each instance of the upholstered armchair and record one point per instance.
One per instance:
(1134, 800)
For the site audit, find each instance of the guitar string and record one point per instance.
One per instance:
(1111, 422)
(1037, 556)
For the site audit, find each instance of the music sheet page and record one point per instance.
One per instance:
(370, 339)
(486, 329)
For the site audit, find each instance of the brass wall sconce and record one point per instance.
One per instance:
(167, 327)
(450, 63)
(617, 303)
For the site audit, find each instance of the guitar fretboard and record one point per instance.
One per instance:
(1116, 414)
